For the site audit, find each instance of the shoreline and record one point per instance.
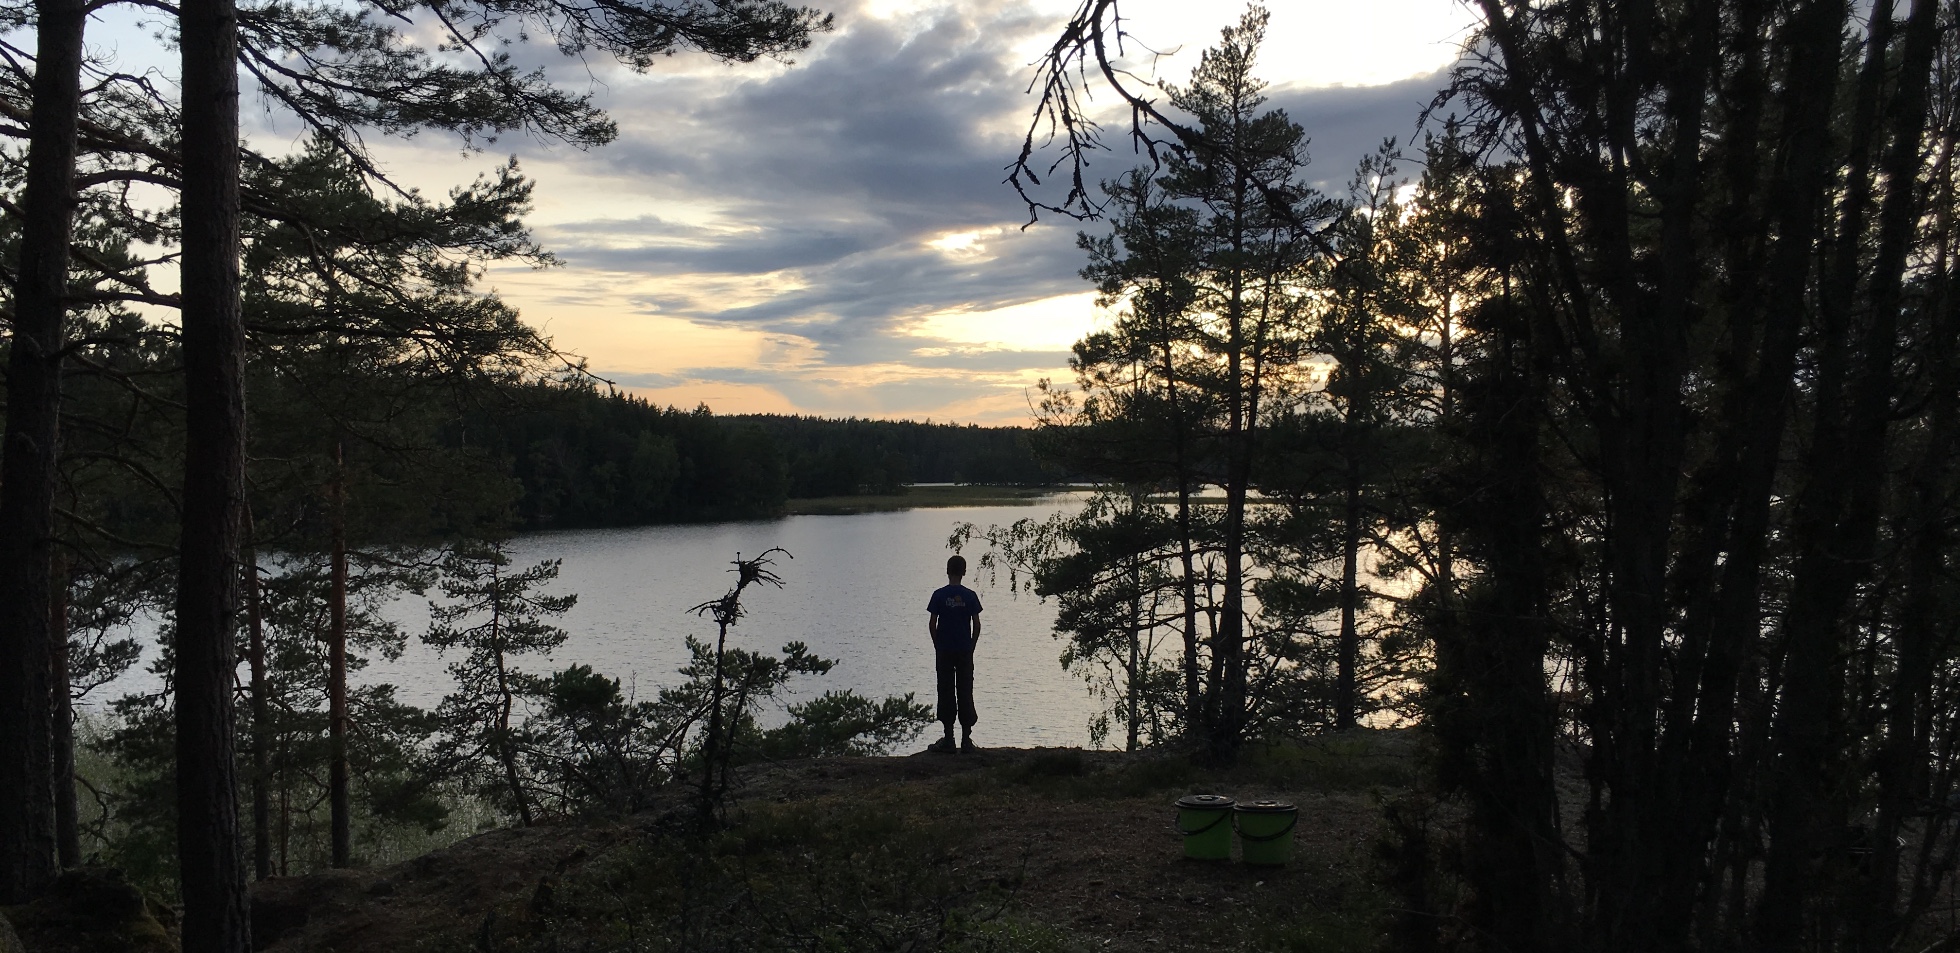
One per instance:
(923, 497)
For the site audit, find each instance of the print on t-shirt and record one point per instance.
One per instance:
(955, 606)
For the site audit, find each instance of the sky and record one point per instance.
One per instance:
(833, 236)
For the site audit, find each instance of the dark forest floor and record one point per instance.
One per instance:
(1006, 849)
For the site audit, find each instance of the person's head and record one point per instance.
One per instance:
(956, 568)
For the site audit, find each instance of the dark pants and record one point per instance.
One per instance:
(956, 688)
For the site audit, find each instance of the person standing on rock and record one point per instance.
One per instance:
(955, 627)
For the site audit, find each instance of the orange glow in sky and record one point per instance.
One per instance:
(833, 236)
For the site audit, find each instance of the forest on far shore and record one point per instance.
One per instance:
(515, 456)
(590, 459)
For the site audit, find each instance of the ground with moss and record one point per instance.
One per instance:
(1004, 850)
(90, 910)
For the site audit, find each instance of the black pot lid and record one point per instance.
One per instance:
(1203, 802)
(1267, 807)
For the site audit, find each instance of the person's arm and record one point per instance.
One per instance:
(932, 625)
(976, 629)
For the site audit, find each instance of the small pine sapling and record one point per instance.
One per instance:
(594, 747)
(725, 612)
(493, 615)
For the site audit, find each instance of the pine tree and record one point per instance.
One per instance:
(1224, 313)
(1365, 386)
(717, 746)
(29, 456)
(493, 616)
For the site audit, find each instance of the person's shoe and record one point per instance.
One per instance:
(967, 745)
(943, 745)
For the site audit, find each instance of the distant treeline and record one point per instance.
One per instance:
(585, 458)
(851, 456)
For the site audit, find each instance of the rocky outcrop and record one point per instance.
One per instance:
(93, 910)
(9, 943)
(487, 884)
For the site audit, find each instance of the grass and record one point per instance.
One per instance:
(1355, 764)
(1047, 851)
(1067, 774)
(145, 853)
(1331, 918)
(920, 497)
(870, 874)
(925, 866)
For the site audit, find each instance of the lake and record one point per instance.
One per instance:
(855, 592)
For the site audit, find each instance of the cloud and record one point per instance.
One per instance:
(655, 247)
(839, 172)
(842, 222)
(846, 202)
(896, 392)
(1346, 123)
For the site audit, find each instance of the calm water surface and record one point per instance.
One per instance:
(855, 592)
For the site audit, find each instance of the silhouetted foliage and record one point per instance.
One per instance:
(493, 615)
(827, 457)
(585, 458)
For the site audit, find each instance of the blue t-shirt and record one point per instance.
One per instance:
(955, 606)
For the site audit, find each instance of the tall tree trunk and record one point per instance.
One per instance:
(1716, 731)
(1347, 693)
(1445, 420)
(1643, 431)
(210, 862)
(261, 696)
(1838, 516)
(1905, 766)
(1727, 510)
(506, 701)
(1872, 920)
(67, 817)
(1194, 701)
(1900, 766)
(1195, 706)
(285, 826)
(1134, 669)
(1194, 696)
(341, 807)
(1228, 642)
(711, 746)
(29, 455)
(1491, 710)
